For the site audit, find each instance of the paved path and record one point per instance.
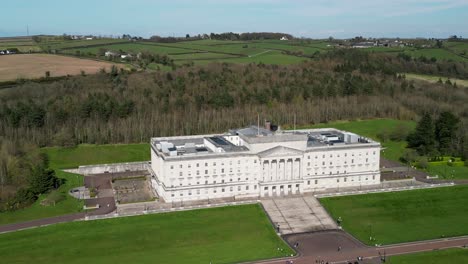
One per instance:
(298, 214)
(103, 209)
(324, 246)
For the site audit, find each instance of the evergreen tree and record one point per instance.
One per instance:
(42, 180)
(445, 131)
(422, 139)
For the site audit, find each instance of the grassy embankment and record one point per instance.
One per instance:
(218, 235)
(402, 216)
(433, 257)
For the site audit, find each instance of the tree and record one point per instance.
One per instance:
(445, 131)
(42, 180)
(187, 36)
(422, 139)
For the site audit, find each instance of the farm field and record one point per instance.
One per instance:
(23, 44)
(434, 257)
(371, 128)
(402, 216)
(65, 158)
(439, 54)
(29, 66)
(434, 79)
(218, 235)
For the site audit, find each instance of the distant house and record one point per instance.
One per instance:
(111, 54)
(284, 38)
(7, 52)
(363, 45)
(89, 38)
(126, 56)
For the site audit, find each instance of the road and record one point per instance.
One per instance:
(315, 247)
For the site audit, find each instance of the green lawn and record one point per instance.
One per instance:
(218, 235)
(62, 158)
(37, 211)
(447, 172)
(454, 256)
(403, 216)
(370, 128)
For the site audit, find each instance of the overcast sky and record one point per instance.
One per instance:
(308, 18)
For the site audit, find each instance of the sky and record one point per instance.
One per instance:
(301, 18)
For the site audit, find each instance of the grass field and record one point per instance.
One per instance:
(434, 79)
(35, 65)
(218, 235)
(63, 158)
(371, 128)
(447, 172)
(439, 54)
(402, 216)
(23, 44)
(433, 257)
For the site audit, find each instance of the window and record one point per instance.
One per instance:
(367, 160)
(373, 177)
(180, 166)
(198, 165)
(352, 161)
(308, 182)
(246, 188)
(308, 163)
(266, 188)
(323, 156)
(180, 173)
(172, 167)
(189, 166)
(345, 179)
(206, 182)
(338, 180)
(323, 163)
(222, 190)
(316, 181)
(214, 163)
(255, 187)
(198, 183)
(308, 157)
(222, 181)
(206, 171)
(198, 172)
(206, 164)
(238, 162)
(172, 195)
(238, 188)
(222, 170)
(238, 179)
(214, 182)
(230, 189)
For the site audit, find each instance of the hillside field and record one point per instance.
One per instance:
(219, 235)
(32, 66)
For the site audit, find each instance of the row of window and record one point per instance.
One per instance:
(213, 190)
(345, 179)
(206, 181)
(345, 155)
(197, 165)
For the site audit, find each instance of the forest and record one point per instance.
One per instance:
(130, 107)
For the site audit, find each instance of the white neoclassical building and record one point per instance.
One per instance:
(258, 162)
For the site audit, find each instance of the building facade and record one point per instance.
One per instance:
(258, 162)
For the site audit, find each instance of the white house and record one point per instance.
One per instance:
(257, 162)
(284, 38)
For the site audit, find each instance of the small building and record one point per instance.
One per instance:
(284, 38)
(363, 45)
(111, 54)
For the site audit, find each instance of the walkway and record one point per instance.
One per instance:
(324, 246)
(298, 214)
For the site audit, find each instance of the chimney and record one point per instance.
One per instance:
(267, 125)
